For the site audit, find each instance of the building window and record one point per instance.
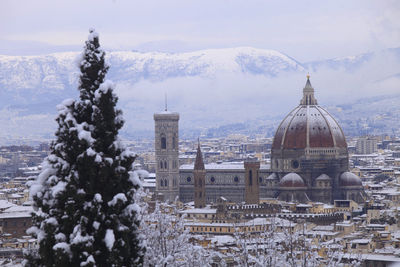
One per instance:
(295, 164)
(163, 142)
(212, 179)
(174, 142)
(188, 179)
(250, 177)
(236, 179)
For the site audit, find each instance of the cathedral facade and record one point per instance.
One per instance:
(309, 162)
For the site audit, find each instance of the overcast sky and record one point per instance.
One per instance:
(305, 30)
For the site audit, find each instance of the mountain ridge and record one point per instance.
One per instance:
(210, 87)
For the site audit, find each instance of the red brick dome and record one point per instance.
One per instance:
(309, 126)
(292, 180)
(323, 177)
(349, 179)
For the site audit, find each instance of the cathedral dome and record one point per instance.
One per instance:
(323, 177)
(292, 180)
(272, 176)
(349, 179)
(309, 126)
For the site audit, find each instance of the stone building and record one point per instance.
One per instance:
(309, 162)
(252, 183)
(167, 154)
(15, 220)
(309, 156)
(366, 145)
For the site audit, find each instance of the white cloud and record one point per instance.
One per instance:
(303, 29)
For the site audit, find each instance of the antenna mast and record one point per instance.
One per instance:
(166, 103)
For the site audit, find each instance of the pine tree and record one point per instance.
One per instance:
(85, 213)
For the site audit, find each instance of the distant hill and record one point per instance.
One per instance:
(209, 88)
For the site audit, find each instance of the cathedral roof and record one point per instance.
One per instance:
(199, 164)
(292, 180)
(309, 126)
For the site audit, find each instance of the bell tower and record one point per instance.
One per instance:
(252, 186)
(199, 174)
(167, 154)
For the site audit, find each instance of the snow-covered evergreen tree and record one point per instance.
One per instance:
(85, 213)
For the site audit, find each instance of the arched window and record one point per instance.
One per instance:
(161, 182)
(161, 164)
(174, 142)
(163, 142)
(250, 177)
(165, 164)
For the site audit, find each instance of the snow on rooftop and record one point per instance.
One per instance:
(17, 208)
(324, 228)
(221, 240)
(4, 204)
(199, 211)
(361, 241)
(345, 223)
(17, 212)
(321, 233)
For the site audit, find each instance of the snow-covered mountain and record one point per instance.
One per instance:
(56, 72)
(208, 87)
(352, 63)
